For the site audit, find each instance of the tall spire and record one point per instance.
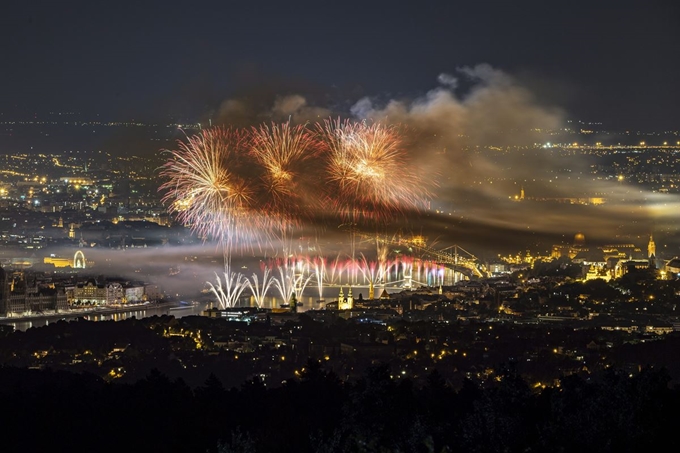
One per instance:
(651, 247)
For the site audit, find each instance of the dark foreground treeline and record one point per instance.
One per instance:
(59, 411)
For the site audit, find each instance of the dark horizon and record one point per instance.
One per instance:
(606, 62)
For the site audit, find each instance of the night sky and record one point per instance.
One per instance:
(610, 62)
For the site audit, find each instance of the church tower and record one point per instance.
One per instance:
(651, 251)
(651, 248)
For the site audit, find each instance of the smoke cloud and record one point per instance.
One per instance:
(448, 80)
(479, 135)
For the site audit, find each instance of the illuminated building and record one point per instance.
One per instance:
(89, 293)
(607, 261)
(673, 267)
(77, 181)
(594, 263)
(621, 251)
(570, 251)
(631, 264)
(345, 303)
(579, 240)
(134, 293)
(95, 293)
(57, 261)
(558, 251)
(77, 262)
(21, 295)
(152, 292)
(115, 293)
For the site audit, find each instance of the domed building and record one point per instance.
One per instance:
(579, 240)
(566, 250)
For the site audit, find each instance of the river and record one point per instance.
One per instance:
(103, 314)
(23, 323)
(112, 314)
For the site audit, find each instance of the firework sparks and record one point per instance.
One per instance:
(335, 269)
(368, 170)
(229, 294)
(260, 290)
(293, 280)
(238, 187)
(205, 190)
(373, 272)
(319, 265)
(282, 151)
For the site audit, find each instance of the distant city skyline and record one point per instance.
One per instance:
(490, 101)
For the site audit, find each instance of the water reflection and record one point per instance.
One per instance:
(306, 302)
(24, 324)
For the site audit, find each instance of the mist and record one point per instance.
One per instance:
(479, 138)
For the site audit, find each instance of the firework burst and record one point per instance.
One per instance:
(239, 187)
(282, 151)
(207, 191)
(368, 171)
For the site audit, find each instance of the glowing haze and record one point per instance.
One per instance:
(279, 177)
(234, 185)
(478, 136)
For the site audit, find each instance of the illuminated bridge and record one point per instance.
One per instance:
(465, 263)
(455, 258)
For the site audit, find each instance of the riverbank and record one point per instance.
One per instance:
(74, 313)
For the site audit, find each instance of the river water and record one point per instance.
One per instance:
(24, 323)
(309, 301)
